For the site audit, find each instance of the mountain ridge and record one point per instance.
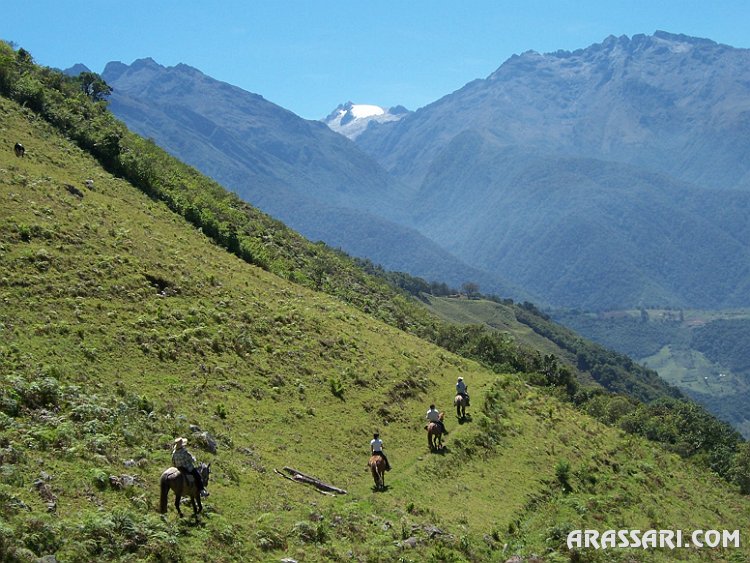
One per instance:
(668, 106)
(300, 171)
(568, 80)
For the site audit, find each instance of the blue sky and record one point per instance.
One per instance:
(309, 56)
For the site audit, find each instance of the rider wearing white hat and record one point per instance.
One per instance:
(183, 460)
(461, 389)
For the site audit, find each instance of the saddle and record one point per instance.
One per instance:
(189, 478)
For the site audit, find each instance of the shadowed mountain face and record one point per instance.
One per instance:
(253, 145)
(615, 175)
(584, 232)
(318, 182)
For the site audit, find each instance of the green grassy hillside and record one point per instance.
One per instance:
(123, 326)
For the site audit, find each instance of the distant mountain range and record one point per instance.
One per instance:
(669, 103)
(301, 172)
(612, 176)
(615, 175)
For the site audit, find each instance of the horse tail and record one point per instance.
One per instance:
(164, 493)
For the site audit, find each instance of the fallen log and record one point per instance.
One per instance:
(300, 477)
(280, 474)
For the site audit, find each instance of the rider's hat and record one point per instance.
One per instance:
(460, 378)
(179, 442)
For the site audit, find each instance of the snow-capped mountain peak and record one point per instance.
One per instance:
(360, 111)
(351, 119)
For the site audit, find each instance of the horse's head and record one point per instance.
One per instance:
(205, 471)
(441, 416)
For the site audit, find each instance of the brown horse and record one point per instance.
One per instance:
(435, 434)
(174, 479)
(460, 403)
(377, 467)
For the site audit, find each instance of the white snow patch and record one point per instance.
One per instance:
(364, 110)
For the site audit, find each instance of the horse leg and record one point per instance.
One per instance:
(195, 507)
(177, 498)
(164, 494)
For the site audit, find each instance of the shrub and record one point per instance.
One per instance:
(123, 532)
(270, 538)
(40, 537)
(100, 478)
(562, 472)
(337, 387)
(311, 533)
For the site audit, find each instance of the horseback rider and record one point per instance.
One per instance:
(183, 460)
(462, 389)
(376, 448)
(434, 416)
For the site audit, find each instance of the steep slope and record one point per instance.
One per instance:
(613, 176)
(587, 233)
(123, 325)
(299, 171)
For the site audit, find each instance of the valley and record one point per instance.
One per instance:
(701, 352)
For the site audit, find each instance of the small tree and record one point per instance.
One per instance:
(471, 289)
(94, 86)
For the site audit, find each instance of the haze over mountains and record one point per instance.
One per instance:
(297, 170)
(670, 103)
(592, 177)
(612, 176)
